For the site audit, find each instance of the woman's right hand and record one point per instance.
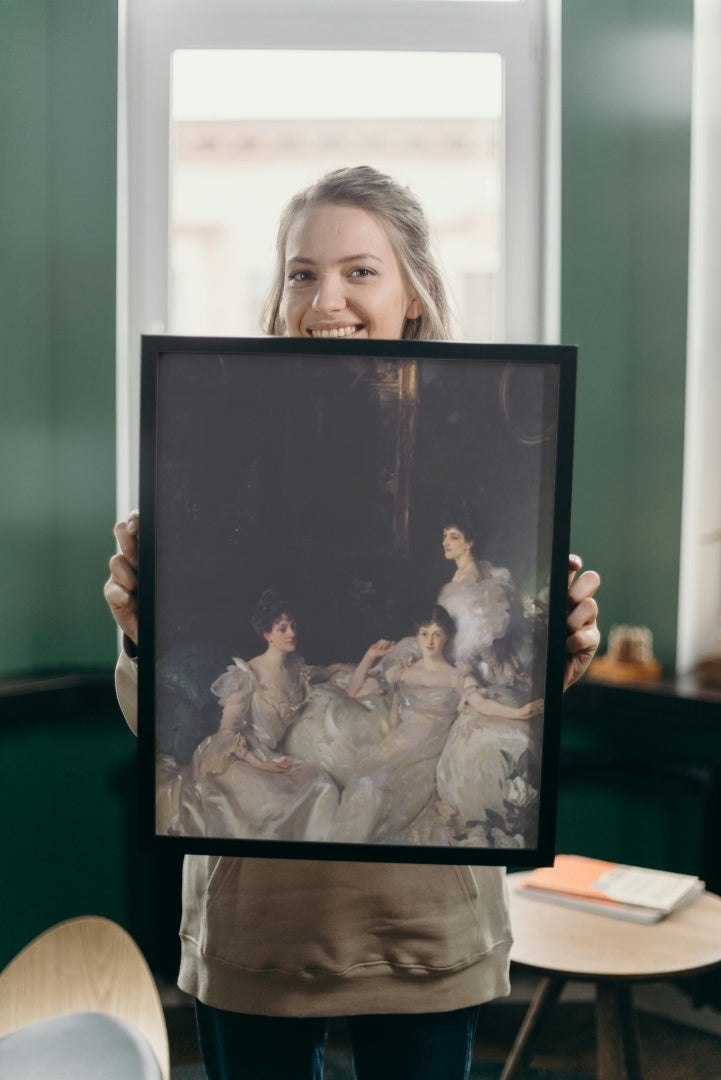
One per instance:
(380, 648)
(122, 586)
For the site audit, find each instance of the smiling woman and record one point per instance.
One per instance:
(330, 292)
(453, 117)
(353, 260)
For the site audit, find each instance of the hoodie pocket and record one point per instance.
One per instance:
(466, 880)
(298, 916)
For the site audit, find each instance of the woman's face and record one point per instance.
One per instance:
(455, 544)
(432, 639)
(283, 635)
(342, 277)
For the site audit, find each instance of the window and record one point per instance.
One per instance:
(236, 161)
(227, 107)
(699, 623)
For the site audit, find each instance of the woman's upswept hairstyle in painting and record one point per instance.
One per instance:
(464, 515)
(400, 212)
(440, 617)
(269, 609)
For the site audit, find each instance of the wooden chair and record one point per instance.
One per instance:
(90, 972)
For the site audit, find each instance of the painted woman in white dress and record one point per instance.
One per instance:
(392, 798)
(480, 598)
(240, 782)
(488, 776)
(488, 772)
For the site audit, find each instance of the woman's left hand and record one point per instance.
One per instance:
(583, 636)
(278, 765)
(531, 709)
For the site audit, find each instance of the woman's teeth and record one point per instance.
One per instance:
(337, 331)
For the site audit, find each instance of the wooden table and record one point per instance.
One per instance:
(563, 944)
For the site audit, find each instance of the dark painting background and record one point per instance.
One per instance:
(288, 472)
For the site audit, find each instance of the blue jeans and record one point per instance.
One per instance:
(414, 1046)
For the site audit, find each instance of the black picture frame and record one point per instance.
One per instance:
(326, 471)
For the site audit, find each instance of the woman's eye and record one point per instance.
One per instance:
(300, 276)
(362, 272)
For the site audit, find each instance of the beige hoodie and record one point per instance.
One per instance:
(284, 937)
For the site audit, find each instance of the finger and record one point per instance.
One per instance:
(119, 600)
(116, 596)
(126, 534)
(575, 562)
(585, 640)
(585, 585)
(122, 572)
(583, 614)
(123, 608)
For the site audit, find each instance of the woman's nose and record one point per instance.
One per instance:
(329, 296)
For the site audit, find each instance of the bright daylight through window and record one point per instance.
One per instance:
(236, 159)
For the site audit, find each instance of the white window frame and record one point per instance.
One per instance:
(699, 598)
(526, 34)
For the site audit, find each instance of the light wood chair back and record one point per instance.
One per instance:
(87, 964)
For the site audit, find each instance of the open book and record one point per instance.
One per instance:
(608, 888)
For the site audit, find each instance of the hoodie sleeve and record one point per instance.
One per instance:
(126, 688)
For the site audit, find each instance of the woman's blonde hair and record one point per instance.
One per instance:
(403, 217)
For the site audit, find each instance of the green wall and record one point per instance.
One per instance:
(67, 772)
(626, 145)
(641, 779)
(58, 72)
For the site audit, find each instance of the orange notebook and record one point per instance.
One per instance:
(631, 892)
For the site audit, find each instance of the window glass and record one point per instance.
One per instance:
(470, 1)
(237, 156)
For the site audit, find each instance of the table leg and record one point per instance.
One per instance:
(545, 997)
(617, 1033)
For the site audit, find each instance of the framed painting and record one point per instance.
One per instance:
(352, 597)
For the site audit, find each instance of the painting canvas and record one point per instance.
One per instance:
(352, 595)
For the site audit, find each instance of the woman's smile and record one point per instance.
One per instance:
(335, 331)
